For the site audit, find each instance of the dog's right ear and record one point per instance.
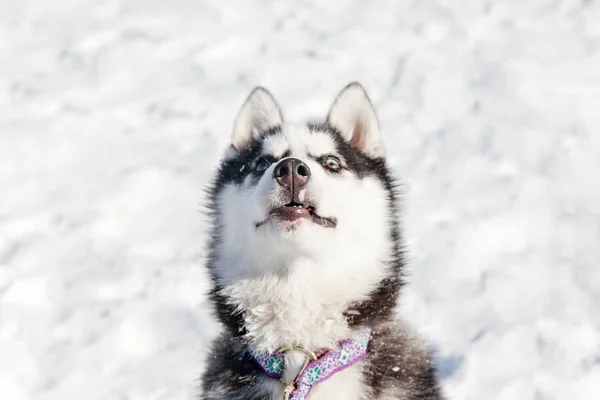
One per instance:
(353, 115)
(258, 114)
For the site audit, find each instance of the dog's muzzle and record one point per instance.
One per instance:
(293, 176)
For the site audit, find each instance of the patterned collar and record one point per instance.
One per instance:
(322, 364)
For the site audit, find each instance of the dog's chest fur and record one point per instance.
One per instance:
(298, 308)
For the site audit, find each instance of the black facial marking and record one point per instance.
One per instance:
(354, 160)
(236, 169)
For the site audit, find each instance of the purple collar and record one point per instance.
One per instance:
(322, 365)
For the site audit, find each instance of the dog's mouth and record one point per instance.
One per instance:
(294, 211)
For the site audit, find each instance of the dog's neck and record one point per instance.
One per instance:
(307, 305)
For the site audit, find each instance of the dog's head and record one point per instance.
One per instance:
(290, 192)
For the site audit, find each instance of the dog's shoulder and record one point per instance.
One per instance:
(231, 372)
(399, 366)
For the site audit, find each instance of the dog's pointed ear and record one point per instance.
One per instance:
(258, 114)
(352, 114)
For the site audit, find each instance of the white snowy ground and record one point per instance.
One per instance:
(112, 117)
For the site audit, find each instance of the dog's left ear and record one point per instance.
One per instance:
(353, 115)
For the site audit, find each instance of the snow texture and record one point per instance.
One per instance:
(113, 114)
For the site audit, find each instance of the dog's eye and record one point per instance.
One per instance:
(332, 163)
(262, 165)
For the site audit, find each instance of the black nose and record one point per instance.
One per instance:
(292, 173)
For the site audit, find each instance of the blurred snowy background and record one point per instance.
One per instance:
(113, 114)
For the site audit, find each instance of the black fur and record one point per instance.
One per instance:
(227, 313)
(395, 360)
(232, 369)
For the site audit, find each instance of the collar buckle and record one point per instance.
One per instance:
(311, 354)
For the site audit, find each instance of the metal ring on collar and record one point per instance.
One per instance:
(301, 348)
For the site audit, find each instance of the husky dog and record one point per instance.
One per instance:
(306, 262)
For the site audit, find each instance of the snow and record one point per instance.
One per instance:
(113, 114)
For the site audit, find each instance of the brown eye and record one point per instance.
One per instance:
(332, 163)
(262, 165)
